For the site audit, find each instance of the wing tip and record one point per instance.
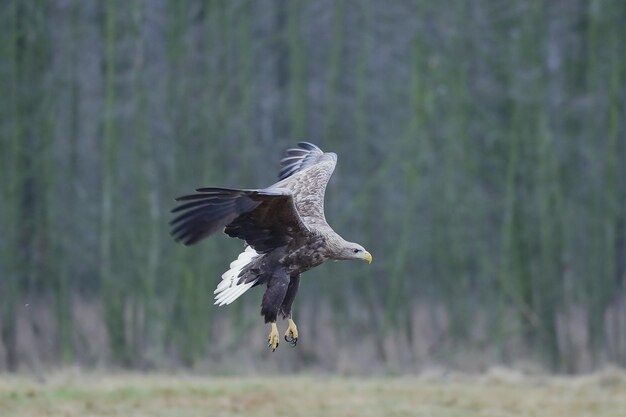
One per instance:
(298, 158)
(309, 146)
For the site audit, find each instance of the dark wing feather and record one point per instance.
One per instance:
(211, 211)
(297, 159)
(265, 219)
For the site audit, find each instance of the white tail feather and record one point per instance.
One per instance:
(228, 290)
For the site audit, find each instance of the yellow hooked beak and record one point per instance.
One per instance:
(367, 257)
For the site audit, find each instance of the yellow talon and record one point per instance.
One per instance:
(291, 335)
(272, 340)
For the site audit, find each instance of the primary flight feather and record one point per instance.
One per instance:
(284, 228)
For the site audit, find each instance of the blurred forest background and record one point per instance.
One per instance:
(482, 161)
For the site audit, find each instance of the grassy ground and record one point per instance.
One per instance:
(495, 394)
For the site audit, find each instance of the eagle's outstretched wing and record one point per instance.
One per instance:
(265, 219)
(306, 171)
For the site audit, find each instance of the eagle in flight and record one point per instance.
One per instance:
(284, 228)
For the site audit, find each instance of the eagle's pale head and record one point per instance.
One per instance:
(351, 250)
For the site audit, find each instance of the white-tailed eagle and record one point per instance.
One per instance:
(283, 226)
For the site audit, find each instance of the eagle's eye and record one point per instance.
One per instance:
(356, 250)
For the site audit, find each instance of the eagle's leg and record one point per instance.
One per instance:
(291, 335)
(273, 338)
(272, 301)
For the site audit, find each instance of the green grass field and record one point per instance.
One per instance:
(495, 394)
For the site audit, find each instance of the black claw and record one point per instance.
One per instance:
(292, 341)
